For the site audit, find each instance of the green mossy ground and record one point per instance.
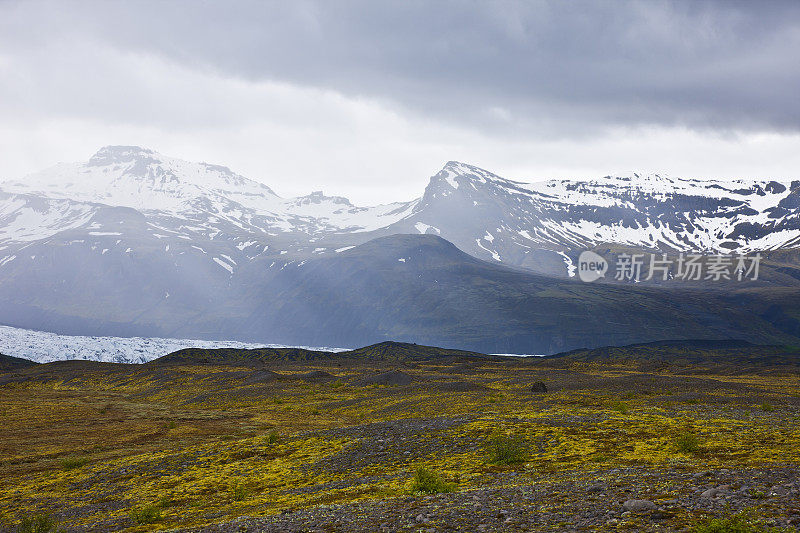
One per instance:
(142, 448)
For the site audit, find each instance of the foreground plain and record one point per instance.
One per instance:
(398, 438)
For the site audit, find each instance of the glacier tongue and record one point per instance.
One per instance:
(45, 347)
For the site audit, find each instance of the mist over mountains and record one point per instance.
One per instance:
(132, 242)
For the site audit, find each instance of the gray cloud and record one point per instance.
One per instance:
(367, 99)
(553, 68)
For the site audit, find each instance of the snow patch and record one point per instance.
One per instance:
(423, 228)
(223, 264)
(570, 266)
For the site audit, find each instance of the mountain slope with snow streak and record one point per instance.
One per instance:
(531, 225)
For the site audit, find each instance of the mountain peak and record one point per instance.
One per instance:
(140, 178)
(456, 173)
(463, 169)
(318, 197)
(109, 155)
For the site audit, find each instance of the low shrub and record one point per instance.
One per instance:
(38, 523)
(507, 450)
(429, 482)
(239, 492)
(146, 514)
(272, 437)
(687, 442)
(620, 407)
(71, 463)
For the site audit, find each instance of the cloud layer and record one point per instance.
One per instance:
(356, 93)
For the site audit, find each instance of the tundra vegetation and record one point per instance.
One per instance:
(400, 444)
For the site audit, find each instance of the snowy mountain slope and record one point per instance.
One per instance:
(25, 218)
(193, 206)
(129, 176)
(530, 224)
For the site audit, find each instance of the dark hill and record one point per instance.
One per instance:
(734, 353)
(417, 288)
(8, 362)
(423, 289)
(403, 351)
(381, 352)
(236, 356)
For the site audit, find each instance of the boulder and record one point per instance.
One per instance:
(637, 506)
(539, 386)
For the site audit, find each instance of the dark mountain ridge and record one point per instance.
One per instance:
(384, 352)
(719, 354)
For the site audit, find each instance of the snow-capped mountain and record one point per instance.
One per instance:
(527, 225)
(131, 206)
(129, 176)
(189, 208)
(134, 243)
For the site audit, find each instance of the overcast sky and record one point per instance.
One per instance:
(368, 99)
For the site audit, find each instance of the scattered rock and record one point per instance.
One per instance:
(638, 506)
